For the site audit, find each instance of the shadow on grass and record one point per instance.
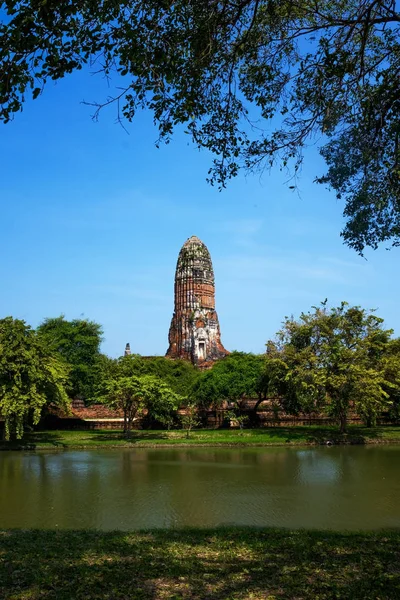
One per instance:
(198, 564)
(77, 438)
(355, 434)
(32, 440)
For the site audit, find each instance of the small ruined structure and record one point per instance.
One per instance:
(194, 333)
(127, 350)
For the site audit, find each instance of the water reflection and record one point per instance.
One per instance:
(341, 488)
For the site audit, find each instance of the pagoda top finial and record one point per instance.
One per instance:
(193, 240)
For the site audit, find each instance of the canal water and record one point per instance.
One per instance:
(326, 488)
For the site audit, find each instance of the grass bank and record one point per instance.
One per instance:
(221, 564)
(216, 437)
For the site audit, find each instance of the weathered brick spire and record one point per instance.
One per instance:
(194, 333)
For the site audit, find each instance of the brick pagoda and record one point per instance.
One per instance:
(194, 333)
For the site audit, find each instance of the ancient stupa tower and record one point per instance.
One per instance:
(194, 333)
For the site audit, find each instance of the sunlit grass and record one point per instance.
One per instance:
(215, 437)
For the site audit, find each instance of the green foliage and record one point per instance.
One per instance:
(135, 395)
(335, 360)
(179, 375)
(390, 366)
(104, 370)
(190, 419)
(78, 343)
(161, 401)
(31, 377)
(236, 376)
(237, 419)
(154, 387)
(253, 82)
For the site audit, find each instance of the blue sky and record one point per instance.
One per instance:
(93, 220)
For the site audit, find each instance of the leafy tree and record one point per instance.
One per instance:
(179, 375)
(161, 400)
(253, 81)
(190, 419)
(104, 370)
(136, 395)
(78, 343)
(31, 377)
(333, 362)
(207, 390)
(126, 394)
(237, 376)
(390, 365)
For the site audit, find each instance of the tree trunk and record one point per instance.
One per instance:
(370, 421)
(343, 422)
(239, 406)
(125, 421)
(257, 404)
(128, 424)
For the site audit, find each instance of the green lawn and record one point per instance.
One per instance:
(219, 564)
(214, 437)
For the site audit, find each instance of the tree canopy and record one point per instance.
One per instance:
(390, 365)
(232, 378)
(136, 394)
(31, 376)
(179, 375)
(336, 360)
(253, 81)
(78, 343)
(154, 386)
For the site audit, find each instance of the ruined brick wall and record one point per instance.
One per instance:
(194, 333)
